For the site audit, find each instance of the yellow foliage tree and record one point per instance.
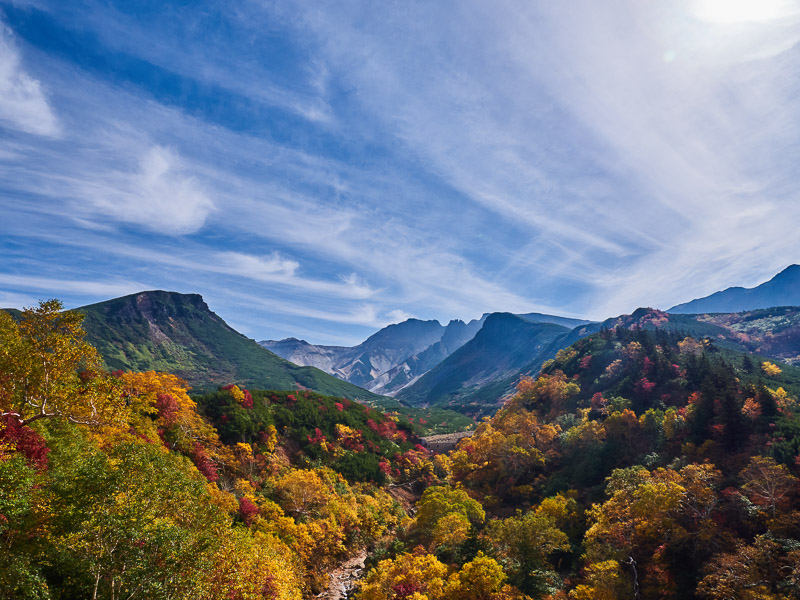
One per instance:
(547, 394)
(506, 452)
(301, 491)
(49, 370)
(770, 369)
(604, 581)
(252, 567)
(421, 577)
(450, 531)
(647, 512)
(166, 395)
(480, 579)
(237, 393)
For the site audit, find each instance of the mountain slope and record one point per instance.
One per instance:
(397, 356)
(475, 377)
(178, 333)
(773, 332)
(388, 360)
(781, 290)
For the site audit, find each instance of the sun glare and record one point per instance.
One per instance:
(739, 11)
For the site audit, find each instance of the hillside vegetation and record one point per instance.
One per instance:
(179, 334)
(640, 463)
(122, 486)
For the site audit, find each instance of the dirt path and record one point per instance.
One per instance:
(343, 579)
(444, 442)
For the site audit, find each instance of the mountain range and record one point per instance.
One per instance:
(473, 370)
(395, 358)
(388, 361)
(781, 290)
(466, 366)
(178, 333)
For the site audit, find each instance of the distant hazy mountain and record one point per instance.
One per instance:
(781, 290)
(300, 352)
(476, 376)
(388, 348)
(388, 360)
(564, 321)
(178, 333)
(397, 356)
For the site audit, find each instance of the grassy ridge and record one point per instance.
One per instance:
(177, 333)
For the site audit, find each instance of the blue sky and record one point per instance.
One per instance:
(321, 169)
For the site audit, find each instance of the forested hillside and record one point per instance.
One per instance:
(119, 485)
(178, 333)
(638, 464)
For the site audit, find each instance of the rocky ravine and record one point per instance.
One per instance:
(343, 580)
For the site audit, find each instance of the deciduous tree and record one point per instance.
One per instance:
(47, 369)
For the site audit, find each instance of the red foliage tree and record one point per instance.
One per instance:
(25, 440)
(203, 463)
(167, 407)
(247, 510)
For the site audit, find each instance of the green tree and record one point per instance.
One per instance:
(440, 501)
(21, 507)
(136, 523)
(525, 543)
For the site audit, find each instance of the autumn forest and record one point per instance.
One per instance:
(639, 463)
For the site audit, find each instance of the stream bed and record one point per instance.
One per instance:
(343, 580)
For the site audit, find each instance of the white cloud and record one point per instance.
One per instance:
(23, 104)
(258, 267)
(55, 287)
(160, 194)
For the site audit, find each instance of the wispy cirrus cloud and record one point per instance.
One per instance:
(23, 101)
(629, 141)
(102, 288)
(575, 159)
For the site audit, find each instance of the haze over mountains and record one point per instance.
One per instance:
(469, 367)
(396, 357)
(781, 290)
(388, 361)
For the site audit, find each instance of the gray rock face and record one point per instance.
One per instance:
(397, 356)
(302, 353)
(388, 361)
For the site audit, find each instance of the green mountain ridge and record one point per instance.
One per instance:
(475, 377)
(178, 333)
